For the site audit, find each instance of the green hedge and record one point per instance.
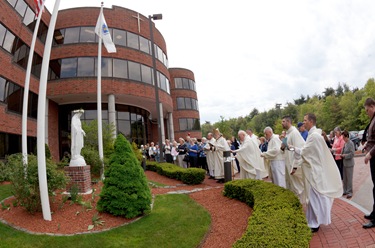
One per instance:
(277, 220)
(190, 176)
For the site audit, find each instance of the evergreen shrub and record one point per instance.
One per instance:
(25, 186)
(277, 220)
(125, 189)
(4, 172)
(190, 176)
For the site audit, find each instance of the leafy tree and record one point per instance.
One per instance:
(91, 138)
(125, 191)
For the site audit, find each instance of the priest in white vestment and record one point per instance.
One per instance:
(218, 148)
(210, 155)
(294, 182)
(323, 181)
(275, 157)
(252, 164)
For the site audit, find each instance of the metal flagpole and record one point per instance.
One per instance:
(27, 86)
(41, 122)
(99, 96)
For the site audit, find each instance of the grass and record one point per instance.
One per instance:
(157, 184)
(175, 221)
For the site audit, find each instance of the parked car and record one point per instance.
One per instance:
(360, 134)
(353, 135)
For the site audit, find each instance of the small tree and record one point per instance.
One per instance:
(125, 191)
(25, 184)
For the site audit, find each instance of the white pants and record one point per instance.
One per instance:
(278, 172)
(318, 210)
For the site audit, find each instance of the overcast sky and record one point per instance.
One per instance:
(254, 54)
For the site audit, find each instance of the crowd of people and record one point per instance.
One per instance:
(302, 158)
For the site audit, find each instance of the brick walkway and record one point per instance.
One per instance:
(347, 216)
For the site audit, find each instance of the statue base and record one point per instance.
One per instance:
(80, 176)
(79, 161)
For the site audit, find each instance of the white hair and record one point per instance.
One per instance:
(268, 129)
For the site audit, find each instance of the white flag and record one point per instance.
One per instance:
(102, 31)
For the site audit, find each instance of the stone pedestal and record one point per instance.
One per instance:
(79, 175)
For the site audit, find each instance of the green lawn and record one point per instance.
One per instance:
(175, 221)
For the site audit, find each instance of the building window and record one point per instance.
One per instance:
(146, 74)
(184, 83)
(187, 103)
(21, 7)
(85, 67)
(134, 71)
(133, 41)
(69, 68)
(3, 83)
(120, 68)
(71, 35)
(119, 37)
(189, 124)
(87, 34)
(144, 44)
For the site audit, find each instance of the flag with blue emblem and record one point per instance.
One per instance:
(102, 31)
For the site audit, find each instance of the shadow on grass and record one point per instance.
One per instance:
(175, 221)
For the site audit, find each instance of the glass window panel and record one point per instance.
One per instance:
(163, 82)
(144, 44)
(37, 65)
(168, 86)
(119, 37)
(183, 124)
(146, 74)
(106, 67)
(120, 69)
(15, 98)
(8, 41)
(160, 54)
(134, 71)
(185, 83)
(123, 115)
(85, 67)
(59, 36)
(178, 83)
(180, 103)
(68, 68)
(42, 32)
(87, 34)
(188, 103)
(33, 105)
(133, 41)
(3, 32)
(2, 89)
(193, 104)
(21, 54)
(29, 18)
(133, 117)
(71, 35)
(190, 123)
(21, 7)
(90, 115)
(124, 128)
(196, 124)
(12, 2)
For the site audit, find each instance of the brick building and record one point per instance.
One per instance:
(128, 91)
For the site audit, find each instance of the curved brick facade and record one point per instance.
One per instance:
(78, 90)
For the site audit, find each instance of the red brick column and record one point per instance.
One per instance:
(79, 175)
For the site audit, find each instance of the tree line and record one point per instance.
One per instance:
(341, 107)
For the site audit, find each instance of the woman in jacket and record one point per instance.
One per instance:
(348, 165)
(336, 150)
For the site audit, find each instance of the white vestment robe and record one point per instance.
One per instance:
(294, 182)
(220, 146)
(323, 181)
(252, 164)
(276, 160)
(210, 156)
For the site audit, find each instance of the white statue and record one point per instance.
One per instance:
(77, 139)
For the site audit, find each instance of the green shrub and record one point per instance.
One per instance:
(92, 158)
(4, 172)
(125, 191)
(25, 187)
(277, 219)
(191, 176)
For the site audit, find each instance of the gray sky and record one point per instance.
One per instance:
(254, 54)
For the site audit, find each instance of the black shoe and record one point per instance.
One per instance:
(314, 229)
(370, 224)
(211, 177)
(220, 181)
(368, 217)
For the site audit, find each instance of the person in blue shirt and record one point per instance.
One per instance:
(193, 153)
(302, 130)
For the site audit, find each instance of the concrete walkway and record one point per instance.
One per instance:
(347, 215)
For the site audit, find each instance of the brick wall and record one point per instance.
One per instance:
(79, 175)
